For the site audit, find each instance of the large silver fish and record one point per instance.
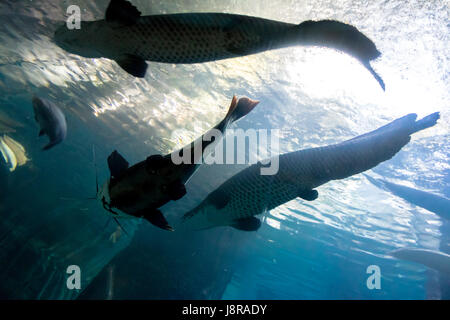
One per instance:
(140, 190)
(131, 39)
(248, 193)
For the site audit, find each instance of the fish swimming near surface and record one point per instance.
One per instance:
(131, 39)
(51, 120)
(247, 194)
(429, 201)
(139, 191)
(433, 259)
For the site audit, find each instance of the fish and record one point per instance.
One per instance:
(131, 39)
(139, 191)
(8, 155)
(238, 201)
(51, 120)
(432, 259)
(18, 150)
(429, 201)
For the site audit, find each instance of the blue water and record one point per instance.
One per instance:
(316, 250)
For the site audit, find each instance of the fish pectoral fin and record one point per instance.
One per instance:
(177, 191)
(122, 12)
(156, 218)
(247, 224)
(219, 199)
(308, 195)
(134, 65)
(117, 164)
(41, 133)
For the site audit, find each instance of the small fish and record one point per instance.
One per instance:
(8, 155)
(17, 149)
(51, 120)
(139, 191)
(131, 39)
(432, 259)
(247, 194)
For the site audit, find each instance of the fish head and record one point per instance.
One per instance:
(81, 41)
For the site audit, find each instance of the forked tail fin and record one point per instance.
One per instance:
(240, 108)
(427, 122)
(342, 37)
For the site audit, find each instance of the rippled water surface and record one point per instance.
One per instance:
(317, 250)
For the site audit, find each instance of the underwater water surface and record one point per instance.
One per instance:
(314, 96)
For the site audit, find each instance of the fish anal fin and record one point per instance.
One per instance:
(134, 65)
(247, 224)
(117, 164)
(308, 195)
(122, 12)
(219, 199)
(156, 218)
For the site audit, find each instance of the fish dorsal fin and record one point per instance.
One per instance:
(122, 12)
(117, 164)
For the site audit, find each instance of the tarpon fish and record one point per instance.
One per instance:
(131, 39)
(247, 194)
(432, 259)
(51, 120)
(139, 191)
(429, 201)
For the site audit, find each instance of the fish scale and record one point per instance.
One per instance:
(249, 193)
(190, 38)
(132, 39)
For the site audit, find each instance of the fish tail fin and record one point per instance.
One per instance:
(342, 37)
(425, 123)
(240, 108)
